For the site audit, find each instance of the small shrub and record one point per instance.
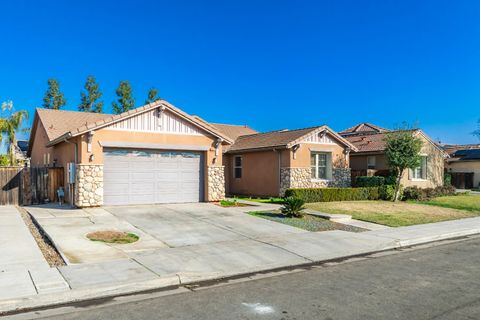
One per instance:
(447, 179)
(293, 207)
(413, 193)
(365, 181)
(387, 192)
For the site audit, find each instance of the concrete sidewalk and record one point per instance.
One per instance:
(174, 266)
(23, 269)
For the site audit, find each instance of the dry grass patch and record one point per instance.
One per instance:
(393, 214)
(112, 236)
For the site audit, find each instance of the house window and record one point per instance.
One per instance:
(237, 167)
(421, 171)
(319, 164)
(371, 162)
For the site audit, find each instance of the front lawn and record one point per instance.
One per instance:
(461, 202)
(307, 222)
(397, 214)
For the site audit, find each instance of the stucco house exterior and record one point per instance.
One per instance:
(153, 154)
(266, 164)
(464, 163)
(369, 159)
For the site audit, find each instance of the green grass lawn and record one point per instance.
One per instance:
(461, 202)
(396, 214)
(275, 200)
(307, 222)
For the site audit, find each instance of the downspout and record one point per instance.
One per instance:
(72, 189)
(279, 169)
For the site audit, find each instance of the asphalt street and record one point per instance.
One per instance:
(440, 281)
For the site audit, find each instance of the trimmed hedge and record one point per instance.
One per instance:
(334, 194)
(366, 181)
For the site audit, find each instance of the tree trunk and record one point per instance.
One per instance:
(397, 185)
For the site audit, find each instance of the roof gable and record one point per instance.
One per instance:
(363, 128)
(84, 122)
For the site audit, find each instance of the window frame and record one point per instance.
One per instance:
(420, 169)
(239, 167)
(369, 167)
(315, 167)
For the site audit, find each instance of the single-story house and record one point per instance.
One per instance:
(369, 159)
(266, 164)
(464, 164)
(153, 154)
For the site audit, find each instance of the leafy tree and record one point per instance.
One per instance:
(402, 153)
(10, 126)
(89, 98)
(125, 99)
(54, 98)
(4, 160)
(152, 95)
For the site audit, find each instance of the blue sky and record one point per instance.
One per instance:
(269, 64)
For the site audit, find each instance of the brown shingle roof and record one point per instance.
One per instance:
(65, 124)
(234, 131)
(363, 128)
(58, 122)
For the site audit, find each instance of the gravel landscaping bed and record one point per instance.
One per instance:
(50, 253)
(307, 222)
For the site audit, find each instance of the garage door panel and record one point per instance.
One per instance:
(136, 176)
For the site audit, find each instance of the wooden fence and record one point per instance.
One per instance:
(25, 186)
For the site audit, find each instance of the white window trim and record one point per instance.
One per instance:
(316, 153)
(237, 167)
(413, 170)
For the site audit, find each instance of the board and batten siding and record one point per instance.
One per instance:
(318, 139)
(157, 121)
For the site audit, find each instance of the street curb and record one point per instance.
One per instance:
(47, 301)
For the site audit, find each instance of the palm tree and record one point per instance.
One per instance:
(9, 127)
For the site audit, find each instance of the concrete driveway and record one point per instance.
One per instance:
(179, 225)
(158, 226)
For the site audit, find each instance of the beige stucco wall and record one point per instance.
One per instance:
(466, 166)
(261, 169)
(260, 173)
(435, 166)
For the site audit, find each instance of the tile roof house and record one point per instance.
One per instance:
(464, 163)
(369, 159)
(159, 154)
(266, 164)
(153, 154)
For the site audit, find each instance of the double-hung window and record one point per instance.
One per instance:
(237, 167)
(371, 162)
(420, 172)
(319, 165)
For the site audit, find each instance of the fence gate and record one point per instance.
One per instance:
(43, 184)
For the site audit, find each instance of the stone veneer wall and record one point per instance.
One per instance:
(89, 185)
(301, 178)
(216, 183)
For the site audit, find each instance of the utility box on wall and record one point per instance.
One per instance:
(71, 172)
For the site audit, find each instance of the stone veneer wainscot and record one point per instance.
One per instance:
(89, 185)
(216, 183)
(302, 178)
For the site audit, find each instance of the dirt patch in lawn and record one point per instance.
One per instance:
(229, 204)
(110, 236)
(393, 214)
(47, 248)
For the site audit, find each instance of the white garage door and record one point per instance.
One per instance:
(146, 176)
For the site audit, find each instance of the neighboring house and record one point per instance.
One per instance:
(370, 158)
(464, 164)
(153, 154)
(20, 150)
(266, 164)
